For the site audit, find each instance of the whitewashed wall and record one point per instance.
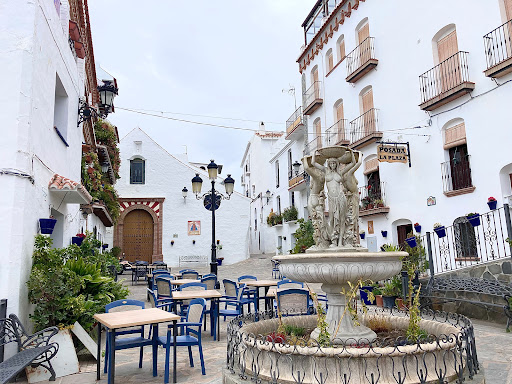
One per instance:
(404, 31)
(165, 178)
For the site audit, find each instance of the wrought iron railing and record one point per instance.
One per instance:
(337, 133)
(372, 197)
(294, 120)
(313, 145)
(498, 44)
(462, 244)
(456, 174)
(364, 125)
(363, 53)
(314, 92)
(445, 76)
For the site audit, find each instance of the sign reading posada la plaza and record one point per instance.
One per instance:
(393, 153)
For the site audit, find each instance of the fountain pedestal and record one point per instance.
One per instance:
(334, 268)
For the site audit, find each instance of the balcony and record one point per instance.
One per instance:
(313, 98)
(456, 176)
(364, 130)
(498, 50)
(313, 145)
(295, 125)
(297, 180)
(445, 82)
(373, 200)
(361, 60)
(337, 134)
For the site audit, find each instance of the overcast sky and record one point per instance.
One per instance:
(227, 58)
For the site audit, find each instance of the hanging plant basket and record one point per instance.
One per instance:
(47, 226)
(362, 235)
(492, 204)
(417, 228)
(411, 241)
(474, 220)
(384, 233)
(77, 240)
(441, 231)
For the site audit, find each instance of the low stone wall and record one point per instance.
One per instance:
(498, 270)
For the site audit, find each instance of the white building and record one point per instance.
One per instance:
(430, 75)
(47, 65)
(257, 179)
(158, 223)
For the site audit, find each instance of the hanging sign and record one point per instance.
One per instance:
(393, 153)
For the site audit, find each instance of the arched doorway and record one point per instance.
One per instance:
(138, 235)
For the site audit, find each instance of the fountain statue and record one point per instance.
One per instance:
(337, 258)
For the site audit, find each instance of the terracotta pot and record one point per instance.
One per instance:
(379, 301)
(90, 170)
(400, 304)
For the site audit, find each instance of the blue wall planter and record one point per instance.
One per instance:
(47, 226)
(362, 235)
(77, 240)
(104, 246)
(384, 233)
(412, 242)
(219, 261)
(417, 228)
(492, 204)
(474, 220)
(441, 231)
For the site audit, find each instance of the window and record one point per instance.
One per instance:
(255, 220)
(60, 111)
(292, 199)
(341, 48)
(318, 134)
(290, 165)
(277, 174)
(459, 167)
(278, 200)
(137, 171)
(314, 82)
(456, 172)
(448, 60)
(402, 232)
(508, 9)
(369, 117)
(329, 59)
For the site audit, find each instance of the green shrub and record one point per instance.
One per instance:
(303, 236)
(290, 214)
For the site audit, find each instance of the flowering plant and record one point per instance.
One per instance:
(362, 231)
(491, 199)
(416, 224)
(437, 225)
(82, 235)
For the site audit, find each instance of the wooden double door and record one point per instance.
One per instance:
(138, 236)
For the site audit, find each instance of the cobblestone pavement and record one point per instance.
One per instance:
(494, 345)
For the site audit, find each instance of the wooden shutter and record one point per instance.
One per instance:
(318, 132)
(339, 122)
(449, 71)
(341, 49)
(508, 9)
(330, 62)
(368, 113)
(364, 44)
(368, 101)
(447, 46)
(314, 80)
(363, 33)
(455, 136)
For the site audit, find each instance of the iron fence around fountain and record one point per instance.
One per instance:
(245, 361)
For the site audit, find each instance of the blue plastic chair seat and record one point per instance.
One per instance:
(132, 342)
(229, 312)
(183, 340)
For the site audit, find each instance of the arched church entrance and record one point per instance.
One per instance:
(138, 236)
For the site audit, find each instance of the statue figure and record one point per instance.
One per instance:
(316, 203)
(350, 183)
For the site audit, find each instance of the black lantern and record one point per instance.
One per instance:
(108, 91)
(184, 192)
(197, 182)
(212, 170)
(296, 167)
(229, 184)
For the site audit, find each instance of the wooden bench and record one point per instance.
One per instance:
(490, 294)
(33, 350)
(194, 259)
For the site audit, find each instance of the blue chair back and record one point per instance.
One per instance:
(247, 277)
(230, 288)
(123, 302)
(190, 275)
(293, 301)
(290, 284)
(163, 287)
(160, 273)
(191, 285)
(195, 314)
(210, 280)
(186, 270)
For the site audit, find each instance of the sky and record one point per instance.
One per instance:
(223, 58)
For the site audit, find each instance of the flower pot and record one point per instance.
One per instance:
(77, 240)
(411, 241)
(417, 228)
(492, 204)
(104, 246)
(379, 301)
(441, 231)
(400, 303)
(388, 301)
(219, 261)
(362, 235)
(384, 233)
(364, 295)
(474, 220)
(47, 226)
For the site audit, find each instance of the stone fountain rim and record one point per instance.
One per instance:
(451, 334)
(341, 256)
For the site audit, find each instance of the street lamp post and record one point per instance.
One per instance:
(211, 201)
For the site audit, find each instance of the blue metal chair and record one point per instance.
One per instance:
(231, 289)
(160, 273)
(190, 335)
(139, 270)
(127, 342)
(288, 283)
(293, 301)
(189, 274)
(250, 293)
(276, 273)
(211, 282)
(192, 287)
(230, 301)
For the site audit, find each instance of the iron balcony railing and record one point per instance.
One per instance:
(498, 44)
(314, 92)
(363, 53)
(372, 196)
(456, 174)
(313, 145)
(294, 120)
(364, 125)
(444, 76)
(337, 133)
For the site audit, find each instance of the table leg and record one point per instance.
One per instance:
(112, 356)
(266, 301)
(174, 332)
(155, 348)
(98, 356)
(217, 319)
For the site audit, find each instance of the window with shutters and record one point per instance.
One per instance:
(277, 174)
(137, 171)
(329, 60)
(340, 45)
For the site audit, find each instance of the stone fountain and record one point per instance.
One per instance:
(337, 258)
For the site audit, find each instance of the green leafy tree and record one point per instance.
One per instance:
(303, 236)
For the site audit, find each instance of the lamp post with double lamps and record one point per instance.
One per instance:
(211, 201)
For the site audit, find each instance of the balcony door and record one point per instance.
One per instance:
(402, 232)
(368, 113)
(449, 66)
(340, 126)
(316, 87)
(364, 44)
(508, 9)
(318, 134)
(374, 186)
(459, 167)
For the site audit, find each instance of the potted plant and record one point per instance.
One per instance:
(78, 239)
(391, 291)
(362, 234)
(492, 202)
(271, 221)
(219, 260)
(290, 214)
(278, 219)
(440, 230)
(474, 219)
(47, 225)
(377, 292)
(417, 227)
(411, 241)
(384, 233)
(379, 203)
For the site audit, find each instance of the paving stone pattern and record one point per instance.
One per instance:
(494, 346)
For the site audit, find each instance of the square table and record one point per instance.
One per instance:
(124, 319)
(204, 294)
(258, 284)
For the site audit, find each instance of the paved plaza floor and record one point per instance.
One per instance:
(494, 345)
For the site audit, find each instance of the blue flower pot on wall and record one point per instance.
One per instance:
(411, 241)
(104, 246)
(474, 220)
(492, 204)
(441, 231)
(384, 233)
(417, 228)
(77, 240)
(219, 261)
(362, 235)
(47, 226)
